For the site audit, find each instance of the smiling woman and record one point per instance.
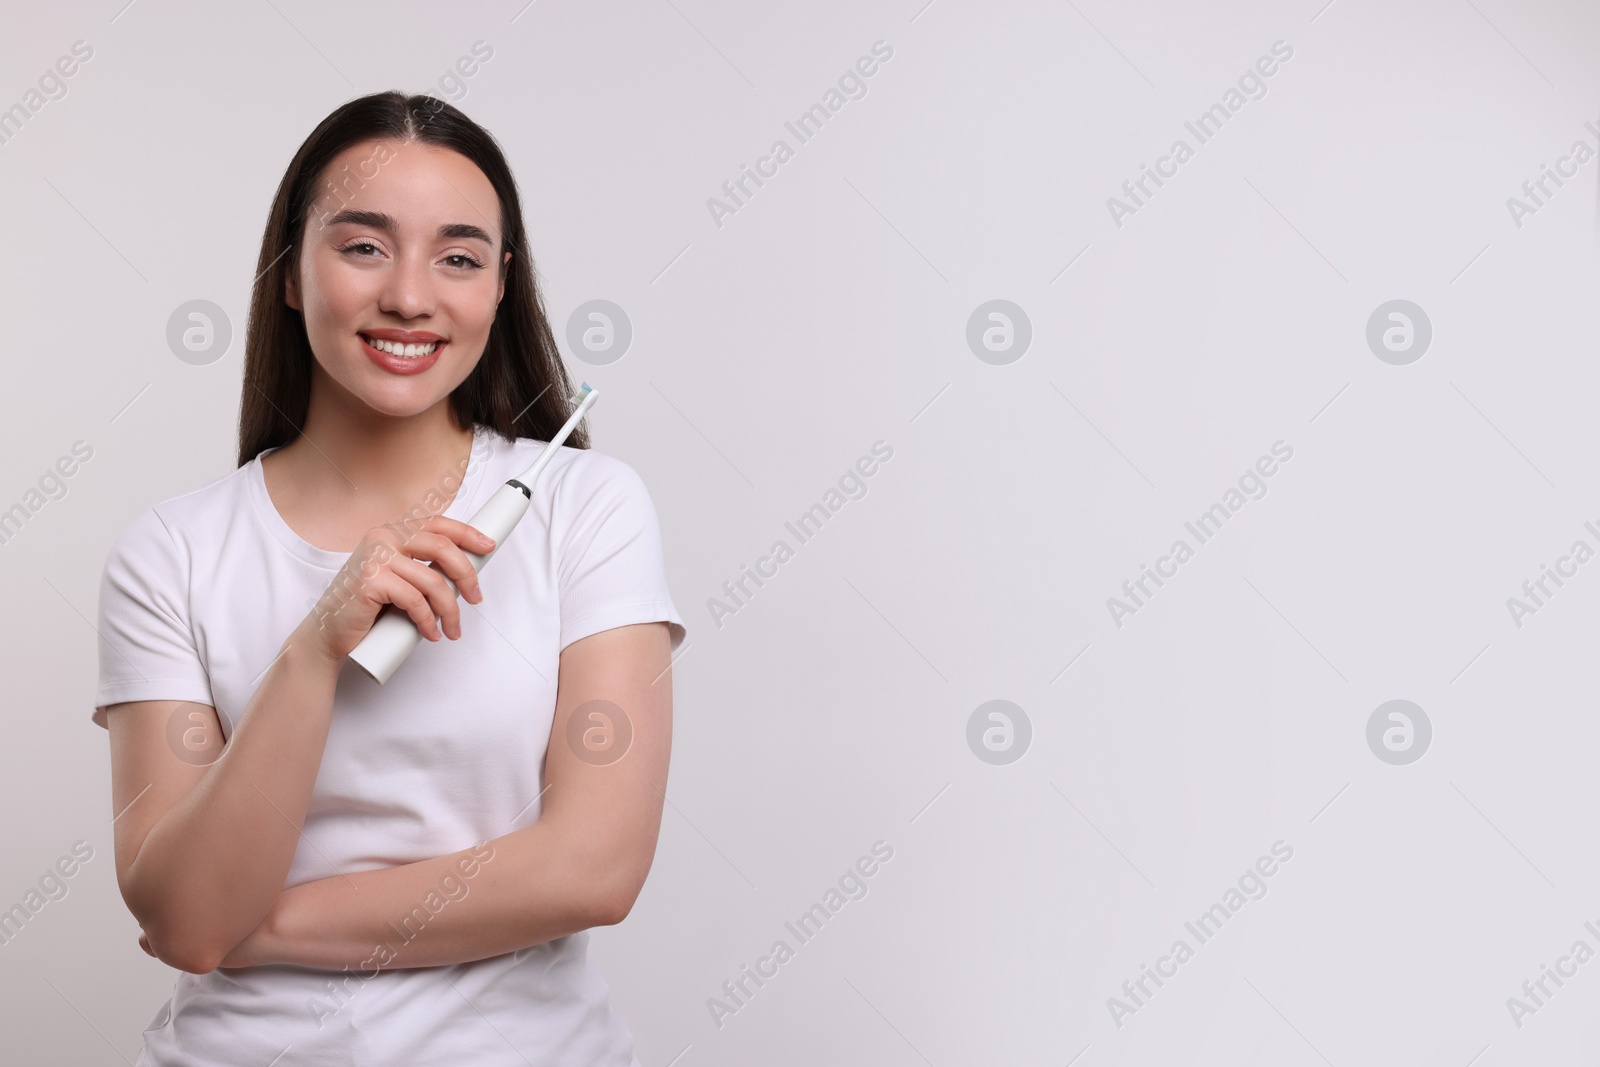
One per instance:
(402, 351)
(396, 343)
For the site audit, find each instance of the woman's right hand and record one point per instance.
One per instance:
(391, 568)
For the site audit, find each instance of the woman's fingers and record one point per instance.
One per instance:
(386, 569)
(434, 595)
(449, 558)
(430, 594)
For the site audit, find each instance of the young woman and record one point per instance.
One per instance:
(400, 874)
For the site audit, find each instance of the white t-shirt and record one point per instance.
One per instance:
(196, 599)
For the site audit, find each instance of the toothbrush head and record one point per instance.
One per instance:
(577, 398)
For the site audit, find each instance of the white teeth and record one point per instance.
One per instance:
(406, 351)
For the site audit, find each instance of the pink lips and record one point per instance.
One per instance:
(400, 364)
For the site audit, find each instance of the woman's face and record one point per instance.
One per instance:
(397, 279)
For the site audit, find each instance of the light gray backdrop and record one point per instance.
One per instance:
(1047, 850)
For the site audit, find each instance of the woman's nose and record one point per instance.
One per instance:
(408, 288)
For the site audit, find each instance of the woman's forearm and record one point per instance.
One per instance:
(212, 867)
(520, 889)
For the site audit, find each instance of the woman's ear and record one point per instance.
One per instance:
(504, 263)
(291, 285)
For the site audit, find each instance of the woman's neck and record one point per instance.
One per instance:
(350, 471)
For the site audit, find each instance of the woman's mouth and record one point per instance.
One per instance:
(402, 357)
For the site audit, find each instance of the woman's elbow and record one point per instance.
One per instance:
(177, 936)
(618, 892)
(196, 964)
(608, 878)
(181, 954)
(612, 908)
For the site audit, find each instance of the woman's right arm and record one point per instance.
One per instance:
(205, 833)
(203, 849)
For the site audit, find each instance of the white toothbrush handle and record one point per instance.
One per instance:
(394, 635)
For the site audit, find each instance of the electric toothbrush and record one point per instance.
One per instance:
(394, 635)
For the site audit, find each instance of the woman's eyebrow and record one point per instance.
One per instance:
(466, 229)
(379, 220)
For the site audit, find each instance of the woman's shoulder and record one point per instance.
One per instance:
(182, 519)
(582, 489)
(578, 470)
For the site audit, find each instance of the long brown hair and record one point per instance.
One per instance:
(519, 387)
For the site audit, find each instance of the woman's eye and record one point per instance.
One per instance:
(460, 260)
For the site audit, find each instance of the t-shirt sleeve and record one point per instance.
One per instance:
(611, 571)
(147, 647)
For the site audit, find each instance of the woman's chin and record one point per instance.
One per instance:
(400, 407)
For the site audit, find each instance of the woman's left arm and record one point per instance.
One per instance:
(582, 864)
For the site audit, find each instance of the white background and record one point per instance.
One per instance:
(830, 312)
